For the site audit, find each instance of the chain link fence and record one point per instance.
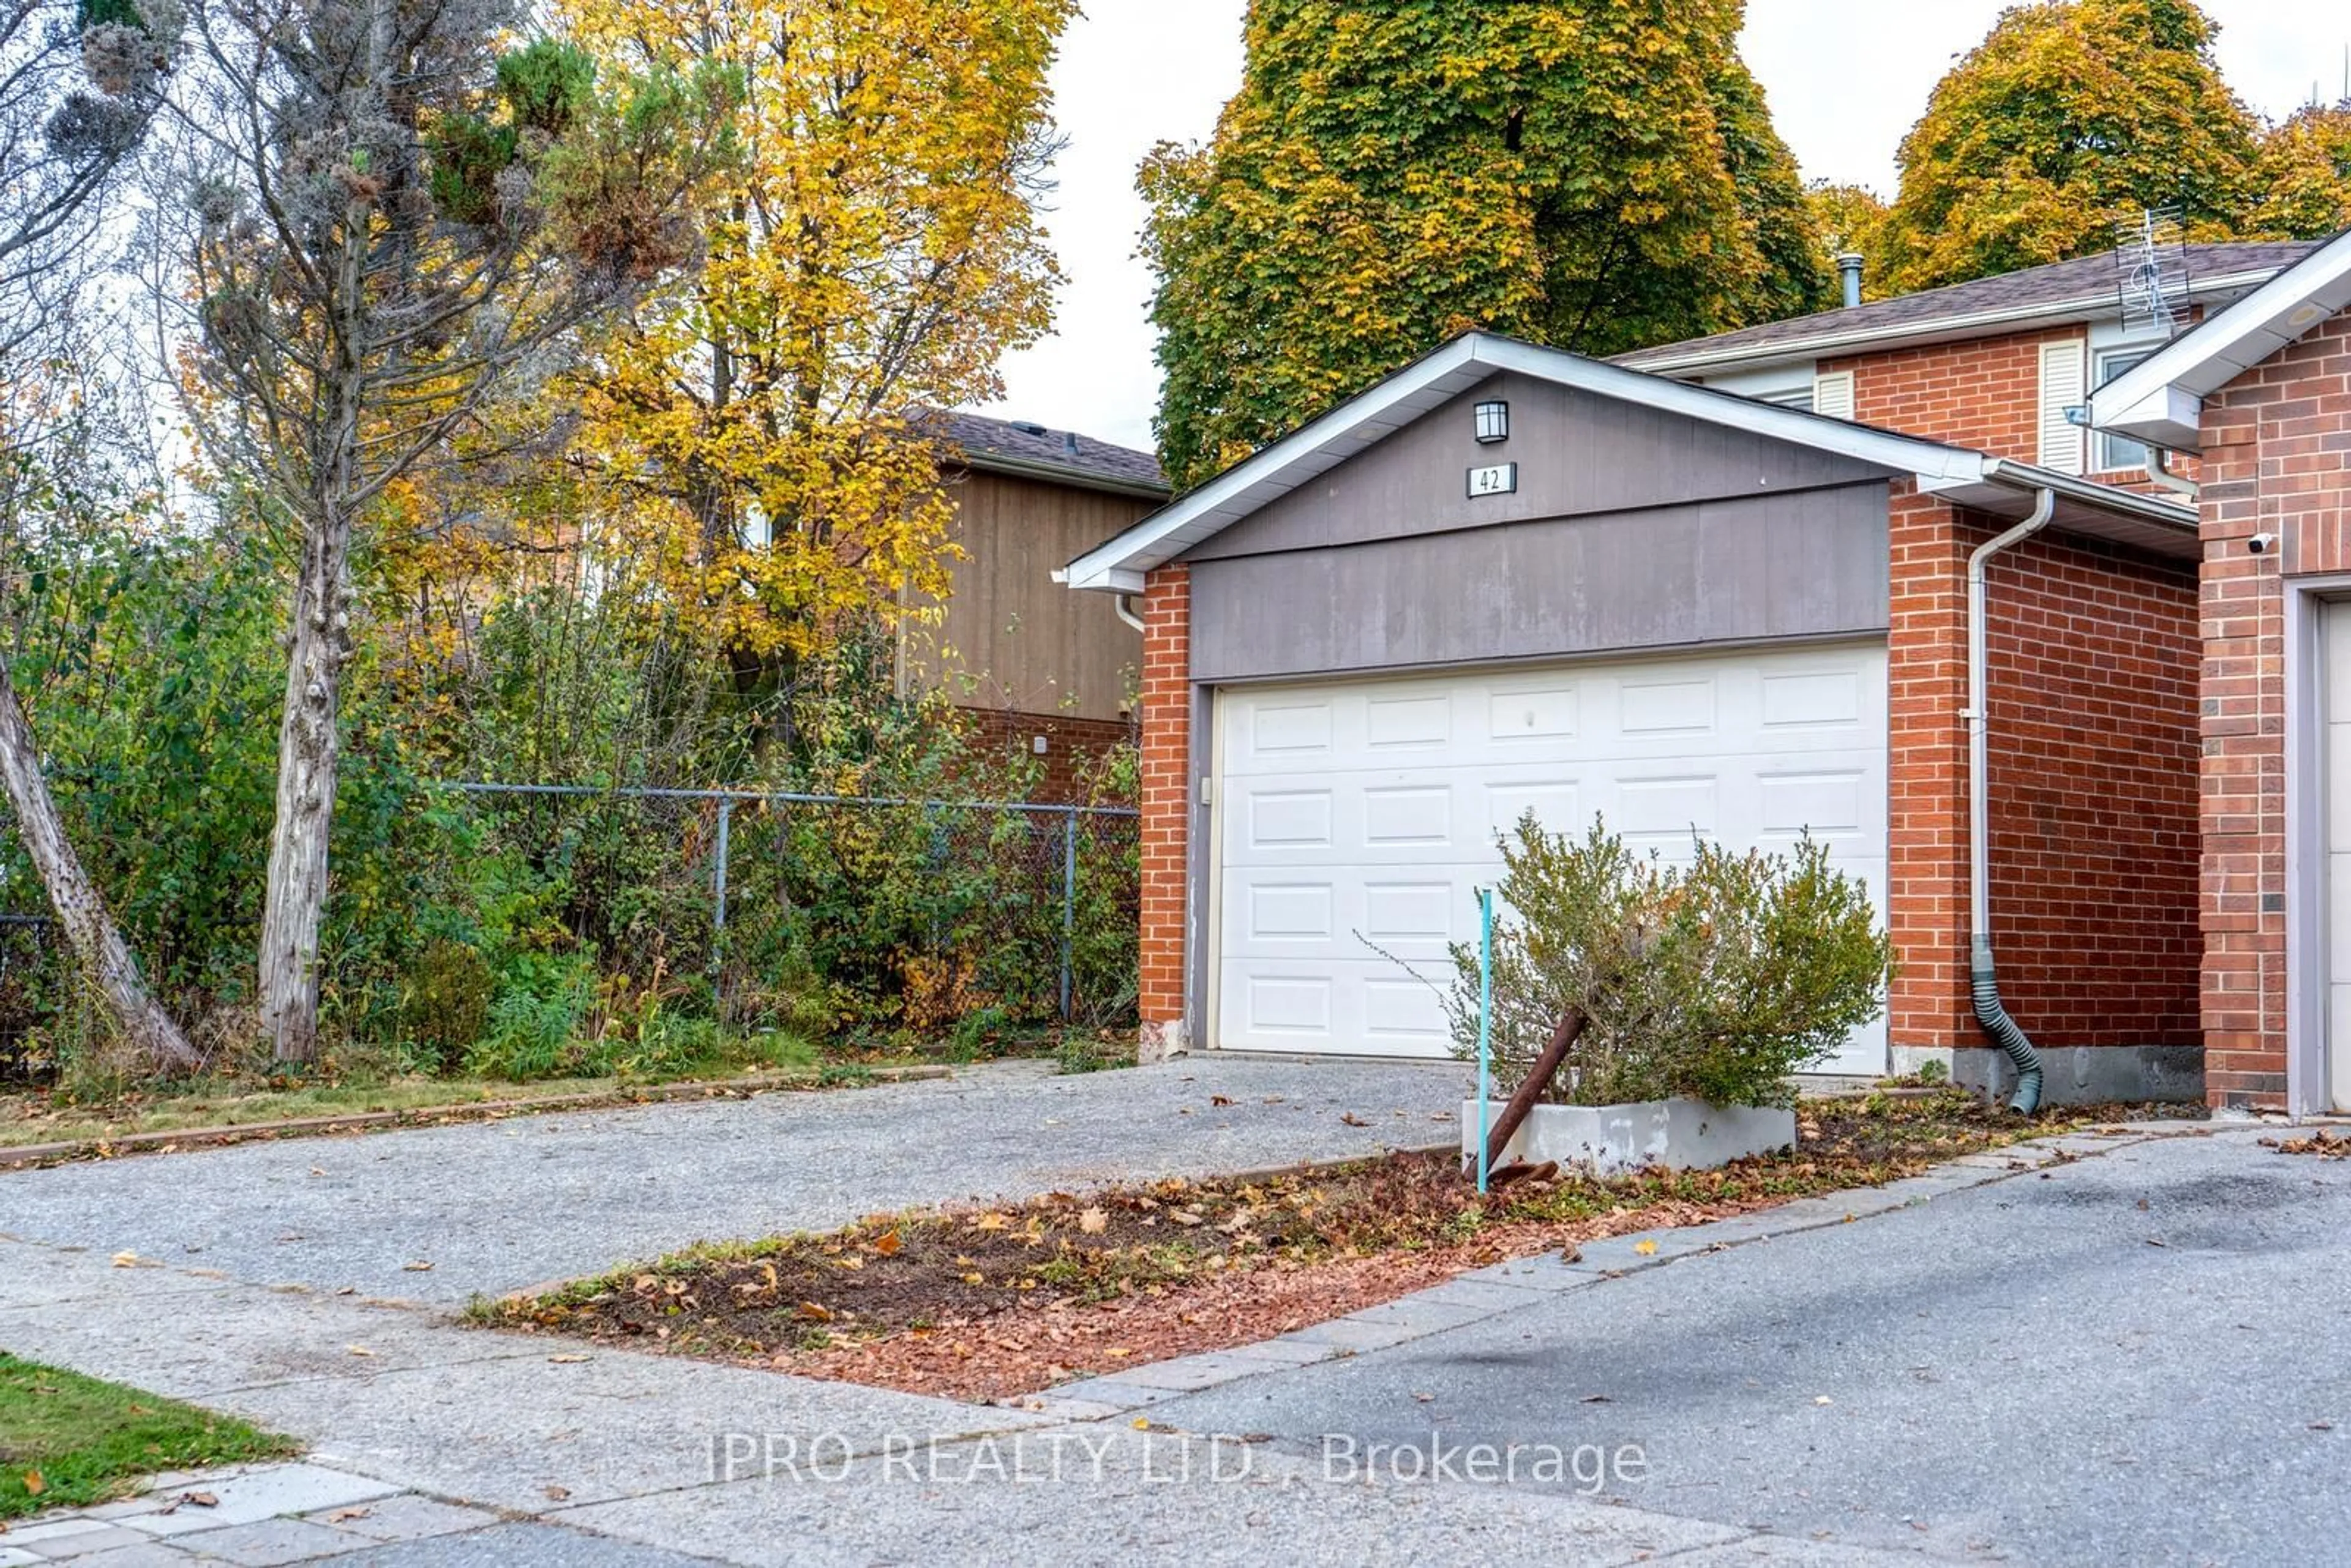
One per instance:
(934, 911)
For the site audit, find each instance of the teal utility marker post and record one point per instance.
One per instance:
(1485, 1020)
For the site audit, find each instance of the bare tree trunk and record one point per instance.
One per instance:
(96, 941)
(307, 754)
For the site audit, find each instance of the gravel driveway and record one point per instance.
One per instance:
(496, 1205)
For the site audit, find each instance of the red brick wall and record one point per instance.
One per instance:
(1984, 393)
(1166, 801)
(2091, 694)
(2277, 442)
(1071, 746)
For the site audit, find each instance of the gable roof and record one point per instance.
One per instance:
(2059, 291)
(1058, 457)
(2160, 401)
(1965, 478)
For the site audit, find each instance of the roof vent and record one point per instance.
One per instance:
(1849, 268)
(1027, 429)
(1068, 444)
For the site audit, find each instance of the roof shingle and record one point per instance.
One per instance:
(986, 441)
(2085, 279)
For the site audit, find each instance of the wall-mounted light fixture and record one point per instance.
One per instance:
(1493, 423)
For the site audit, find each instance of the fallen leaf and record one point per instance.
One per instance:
(359, 1349)
(419, 1266)
(1350, 1119)
(316, 1171)
(1094, 1221)
(199, 1500)
(991, 1220)
(345, 1515)
(1185, 1215)
(566, 1360)
(2322, 1426)
(1646, 1249)
(556, 1494)
(815, 1313)
(1220, 1100)
(1143, 1423)
(1424, 1399)
(887, 1244)
(35, 1484)
(1599, 1399)
(1822, 1399)
(975, 1278)
(126, 1260)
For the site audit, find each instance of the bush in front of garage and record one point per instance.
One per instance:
(1713, 981)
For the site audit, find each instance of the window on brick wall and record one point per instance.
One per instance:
(2115, 453)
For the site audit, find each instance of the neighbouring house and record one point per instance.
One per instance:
(1051, 671)
(1507, 578)
(2260, 394)
(1996, 363)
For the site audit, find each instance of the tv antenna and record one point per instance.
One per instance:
(2151, 256)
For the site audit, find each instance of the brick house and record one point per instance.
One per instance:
(1049, 672)
(1511, 579)
(2261, 394)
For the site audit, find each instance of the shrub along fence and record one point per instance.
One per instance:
(816, 912)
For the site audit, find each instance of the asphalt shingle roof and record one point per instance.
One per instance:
(1032, 446)
(2083, 279)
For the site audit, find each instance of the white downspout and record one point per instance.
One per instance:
(1984, 979)
(1124, 605)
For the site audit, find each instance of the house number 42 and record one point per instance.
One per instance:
(1501, 479)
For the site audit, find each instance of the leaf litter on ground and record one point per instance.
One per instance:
(1008, 1300)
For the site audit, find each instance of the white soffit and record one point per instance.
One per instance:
(2160, 401)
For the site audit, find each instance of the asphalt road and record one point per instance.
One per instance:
(2140, 1359)
(497, 1206)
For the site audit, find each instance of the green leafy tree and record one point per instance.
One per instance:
(1598, 176)
(2072, 116)
(1851, 219)
(2305, 174)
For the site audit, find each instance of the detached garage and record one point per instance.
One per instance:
(1511, 579)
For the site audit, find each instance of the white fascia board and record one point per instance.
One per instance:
(1127, 555)
(2171, 417)
(1972, 324)
(2165, 393)
(1116, 564)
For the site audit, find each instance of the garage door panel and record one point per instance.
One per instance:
(1360, 816)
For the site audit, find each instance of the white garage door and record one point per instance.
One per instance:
(1363, 814)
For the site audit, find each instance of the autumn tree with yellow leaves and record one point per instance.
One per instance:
(1591, 175)
(751, 440)
(2071, 117)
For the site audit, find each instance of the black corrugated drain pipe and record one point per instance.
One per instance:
(1984, 979)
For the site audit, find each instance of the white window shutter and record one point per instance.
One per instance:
(2063, 384)
(1832, 394)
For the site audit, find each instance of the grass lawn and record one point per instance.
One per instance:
(66, 1440)
(986, 1303)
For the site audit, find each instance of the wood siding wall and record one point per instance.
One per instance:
(1011, 638)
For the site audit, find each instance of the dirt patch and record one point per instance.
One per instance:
(984, 1303)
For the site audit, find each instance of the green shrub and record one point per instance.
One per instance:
(1716, 982)
(542, 999)
(446, 1008)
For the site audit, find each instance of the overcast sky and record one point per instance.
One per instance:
(1847, 79)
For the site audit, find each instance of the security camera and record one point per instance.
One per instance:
(2262, 544)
